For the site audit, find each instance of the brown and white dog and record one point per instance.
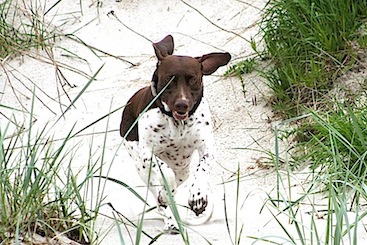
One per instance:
(173, 121)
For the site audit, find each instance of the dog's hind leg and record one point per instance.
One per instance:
(158, 177)
(159, 182)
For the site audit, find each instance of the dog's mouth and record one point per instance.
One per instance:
(180, 115)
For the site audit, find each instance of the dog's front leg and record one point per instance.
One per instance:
(160, 178)
(200, 188)
(156, 174)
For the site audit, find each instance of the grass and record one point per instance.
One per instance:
(341, 134)
(37, 196)
(243, 67)
(309, 44)
(335, 183)
(40, 192)
(235, 234)
(22, 29)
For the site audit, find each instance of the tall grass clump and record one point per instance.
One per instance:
(34, 197)
(343, 135)
(40, 194)
(310, 44)
(334, 189)
(22, 28)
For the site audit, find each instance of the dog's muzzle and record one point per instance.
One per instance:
(181, 109)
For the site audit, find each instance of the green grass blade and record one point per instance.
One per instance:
(81, 92)
(124, 185)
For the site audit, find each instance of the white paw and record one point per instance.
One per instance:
(170, 224)
(171, 228)
(163, 198)
(198, 198)
(168, 183)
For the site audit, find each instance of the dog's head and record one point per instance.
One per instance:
(184, 75)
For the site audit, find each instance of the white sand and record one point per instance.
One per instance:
(240, 125)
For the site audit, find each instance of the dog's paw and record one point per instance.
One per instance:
(170, 228)
(198, 199)
(170, 224)
(170, 182)
(163, 199)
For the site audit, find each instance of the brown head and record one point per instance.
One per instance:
(183, 95)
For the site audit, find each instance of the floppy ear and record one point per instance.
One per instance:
(164, 47)
(211, 62)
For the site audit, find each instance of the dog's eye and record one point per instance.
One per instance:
(169, 78)
(193, 80)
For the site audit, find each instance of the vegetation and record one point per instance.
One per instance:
(37, 196)
(307, 44)
(40, 193)
(336, 157)
(21, 29)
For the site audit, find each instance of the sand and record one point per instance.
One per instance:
(243, 124)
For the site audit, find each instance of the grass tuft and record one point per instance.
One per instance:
(32, 200)
(22, 27)
(334, 186)
(310, 44)
(341, 134)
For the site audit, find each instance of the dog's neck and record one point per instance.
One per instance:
(158, 101)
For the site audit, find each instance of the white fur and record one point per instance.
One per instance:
(168, 145)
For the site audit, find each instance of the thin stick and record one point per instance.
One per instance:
(99, 50)
(137, 33)
(211, 22)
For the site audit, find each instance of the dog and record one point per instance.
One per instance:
(173, 121)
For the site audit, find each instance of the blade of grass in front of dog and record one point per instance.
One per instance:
(81, 92)
(174, 209)
(124, 185)
(225, 211)
(141, 221)
(121, 237)
(148, 106)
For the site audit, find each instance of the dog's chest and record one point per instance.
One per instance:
(173, 141)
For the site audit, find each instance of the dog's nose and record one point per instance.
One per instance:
(181, 105)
